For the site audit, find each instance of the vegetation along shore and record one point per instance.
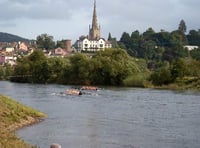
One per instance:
(150, 59)
(13, 116)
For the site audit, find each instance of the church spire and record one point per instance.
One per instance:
(94, 19)
(94, 32)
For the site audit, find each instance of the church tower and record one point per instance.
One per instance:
(94, 31)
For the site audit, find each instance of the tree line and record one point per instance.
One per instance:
(157, 58)
(109, 67)
(159, 46)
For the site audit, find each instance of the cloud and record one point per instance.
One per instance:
(34, 9)
(7, 25)
(70, 18)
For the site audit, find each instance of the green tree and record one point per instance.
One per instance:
(33, 68)
(194, 37)
(109, 37)
(148, 33)
(58, 67)
(113, 41)
(61, 44)
(79, 69)
(22, 69)
(40, 72)
(147, 50)
(5, 71)
(39, 67)
(195, 54)
(126, 40)
(45, 41)
(162, 39)
(161, 76)
(135, 37)
(112, 66)
(179, 68)
(192, 68)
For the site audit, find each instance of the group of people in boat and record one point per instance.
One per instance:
(74, 91)
(88, 88)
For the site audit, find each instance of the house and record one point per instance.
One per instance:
(9, 49)
(189, 47)
(2, 59)
(91, 45)
(22, 46)
(59, 52)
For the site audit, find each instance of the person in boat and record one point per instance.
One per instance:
(73, 92)
(88, 88)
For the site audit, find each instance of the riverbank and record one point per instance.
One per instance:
(186, 83)
(13, 116)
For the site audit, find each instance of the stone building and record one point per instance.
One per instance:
(92, 42)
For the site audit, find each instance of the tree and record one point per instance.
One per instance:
(112, 66)
(148, 33)
(182, 26)
(194, 37)
(147, 50)
(126, 40)
(179, 68)
(135, 37)
(109, 37)
(56, 69)
(113, 41)
(162, 38)
(161, 76)
(33, 68)
(195, 54)
(60, 44)
(45, 41)
(79, 69)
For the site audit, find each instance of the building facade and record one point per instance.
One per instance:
(92, 42)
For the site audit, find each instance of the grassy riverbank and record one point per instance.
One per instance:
(186, 83)
(13, 116)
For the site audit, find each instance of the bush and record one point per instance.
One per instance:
(161, 76)
(136, 80)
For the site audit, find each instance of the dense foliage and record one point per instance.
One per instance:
(138, 59)
(109, 67)
(5, 71)
(45, 41)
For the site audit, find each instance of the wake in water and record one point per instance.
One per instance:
(63, 94)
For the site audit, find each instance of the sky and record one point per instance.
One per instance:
(69, 19)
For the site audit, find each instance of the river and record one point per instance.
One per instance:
(111, 117)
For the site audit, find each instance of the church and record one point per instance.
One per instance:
(92, 42)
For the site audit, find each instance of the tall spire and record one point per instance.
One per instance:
(94, 32)
(94, 19)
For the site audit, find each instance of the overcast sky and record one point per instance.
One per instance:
(69, 19)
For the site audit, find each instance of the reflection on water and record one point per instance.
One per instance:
(111, 117)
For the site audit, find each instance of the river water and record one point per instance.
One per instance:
(111, 117)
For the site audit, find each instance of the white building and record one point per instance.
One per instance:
(189, 47)
(9, 49)
(88, 45)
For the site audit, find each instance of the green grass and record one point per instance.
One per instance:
(185, 83)
(13, 116)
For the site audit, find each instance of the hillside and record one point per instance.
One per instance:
(6, 37)
(14, 115)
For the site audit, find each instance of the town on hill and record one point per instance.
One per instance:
(136, 59)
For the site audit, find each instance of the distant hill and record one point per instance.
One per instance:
(6, 37)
